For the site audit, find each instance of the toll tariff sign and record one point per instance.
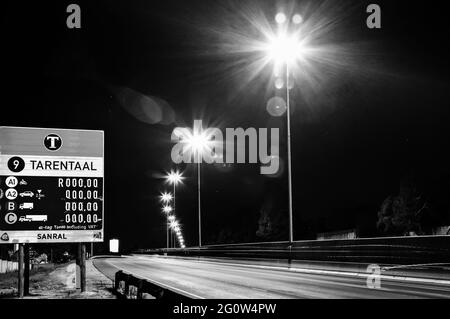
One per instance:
(51, 185)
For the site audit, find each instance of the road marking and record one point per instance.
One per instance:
(415, 265)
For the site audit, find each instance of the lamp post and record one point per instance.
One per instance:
(198, 143)
(199, 202)
(288, 126)
(285, 49)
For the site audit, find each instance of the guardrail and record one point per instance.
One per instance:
(392, 250)
(128, 286)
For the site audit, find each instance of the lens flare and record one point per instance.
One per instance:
(297, 19)
(280, 18)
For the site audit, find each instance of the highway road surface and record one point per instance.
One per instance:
(225, 279)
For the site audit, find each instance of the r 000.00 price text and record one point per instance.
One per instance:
(77, 182)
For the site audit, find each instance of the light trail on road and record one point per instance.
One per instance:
(213, 279)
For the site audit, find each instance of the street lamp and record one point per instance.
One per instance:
(286, 49)
(174, 178)
(166, 197)
(167, 209)
(198, 143)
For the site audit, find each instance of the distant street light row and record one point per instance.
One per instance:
(173, 226)
(197, 143)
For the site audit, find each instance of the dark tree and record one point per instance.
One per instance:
(272, 224)
(405, 213)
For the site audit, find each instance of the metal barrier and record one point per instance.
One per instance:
(128, 286)
(392, 250)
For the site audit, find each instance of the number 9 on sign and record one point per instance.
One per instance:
(16, 164)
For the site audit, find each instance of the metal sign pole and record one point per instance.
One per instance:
(21, 271)
(26, 283)
(81, 263)
(83, 267)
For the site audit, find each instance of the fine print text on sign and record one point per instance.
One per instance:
(51, 185)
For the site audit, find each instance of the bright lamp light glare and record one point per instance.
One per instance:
(280, 18)
(171, 218)
(198, 142)
(284, 49)
(166, 197)
(319, 35)
(279, 83)
(174, 177)
(167, 209)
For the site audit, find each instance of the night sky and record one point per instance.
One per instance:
(137, 69)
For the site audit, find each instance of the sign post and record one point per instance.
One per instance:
(83, 267)
(51, 186)
(26, 269)
(21, 281)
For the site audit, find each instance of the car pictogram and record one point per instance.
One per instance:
(26, 194)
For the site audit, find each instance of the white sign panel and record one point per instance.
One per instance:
(114, 245)
(51, 185)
